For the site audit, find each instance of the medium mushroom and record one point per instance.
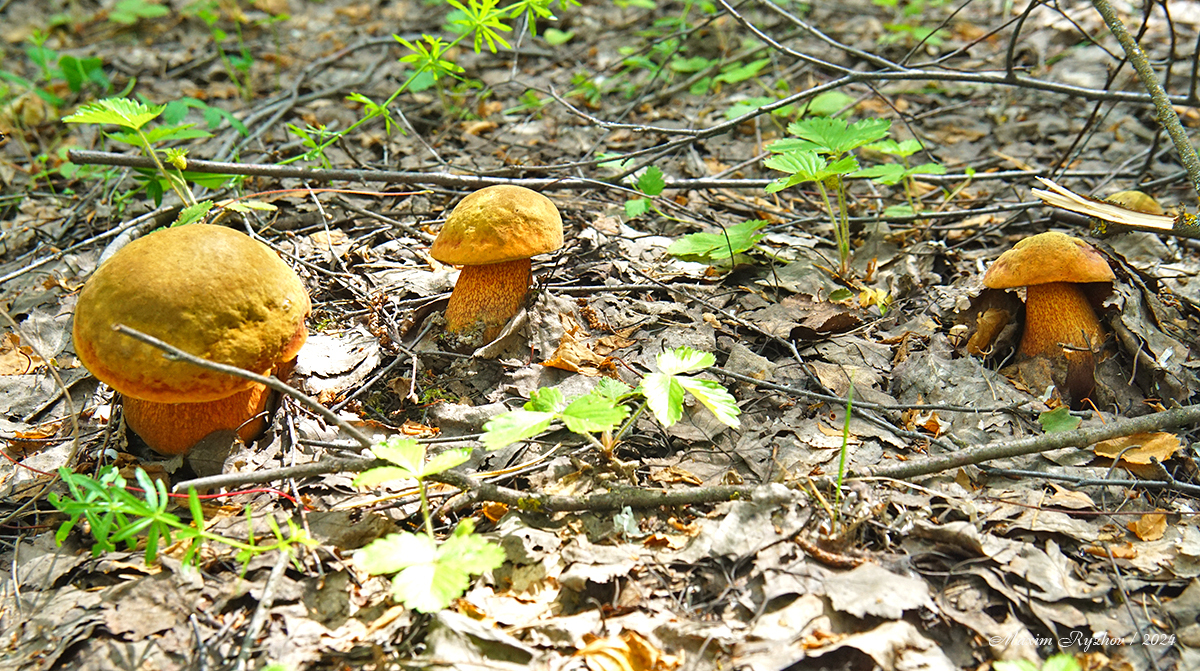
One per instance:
(210, 291)
(1051, 266)
(492, 233)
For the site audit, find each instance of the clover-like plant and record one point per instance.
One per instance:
(429, 573)
(604, 411)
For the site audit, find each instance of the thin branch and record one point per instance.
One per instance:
(1186, 415)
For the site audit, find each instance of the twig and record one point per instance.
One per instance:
(1162, 104)
(265, 601)
(1189, 414)
(275, 383)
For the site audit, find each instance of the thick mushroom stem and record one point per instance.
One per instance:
(1058, 312)
(174, 428)
(488, 296)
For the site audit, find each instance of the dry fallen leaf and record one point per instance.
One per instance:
(1149, 527)
(15, 358)
(1139, 447)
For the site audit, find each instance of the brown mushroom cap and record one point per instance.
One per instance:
(1045, 258)
(497, 224)
(208, 290)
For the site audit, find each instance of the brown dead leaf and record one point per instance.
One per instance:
(495, 511)
(800, 317)
(15, 358)
(629, 652)
(1142, 446)
(674, 475)
(987, 327)
(1125, 551)
(1149, 527)
(660, 541)
(478, 127)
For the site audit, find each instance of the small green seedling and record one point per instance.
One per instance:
(117, 516)
(714, 248)
(429, 574)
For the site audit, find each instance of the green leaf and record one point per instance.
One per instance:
(611, 389)
(406, 453)
(396, 552)
(887, 173)
(1058, 420)
(829, 103)
(928, 169)
(651, 181)
(116, 111)
(714, 246)
(373, 477)
(636, 207)
(693, 64)
(835, 136)
(514, 426)
(738, 72)
(1061, 662)
(444, 461)
(683, 360)
(593, 413)
(546, 400)
(555, 37)
(664, 396)
(714, 397)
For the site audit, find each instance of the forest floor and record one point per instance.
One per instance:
(975, 506)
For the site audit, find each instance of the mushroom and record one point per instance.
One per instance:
(1051, 266)
(210, 291)
(492, 233)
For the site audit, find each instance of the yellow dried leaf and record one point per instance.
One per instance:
(1160, 445)
(1149, 527)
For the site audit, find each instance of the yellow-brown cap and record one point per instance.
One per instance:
(497, 224)
(1045, 258)
(208, 290)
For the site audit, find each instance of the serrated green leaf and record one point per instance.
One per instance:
(683, 360)
(792, 144)
(714, 246)
(373, 477)
(514, 426)
(1058, 420)
(835, 136)
(829, 103)
(928, 169)
(403, 452)
(887, 173)
(714, 397)
(116, 111)
(593, 413)
(547, 399)
(611, 389)
(636, 207)
(804, 164)
(651, 182)
(444, 461)
(664, 396)
(396, 552)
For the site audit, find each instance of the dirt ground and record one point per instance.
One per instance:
(990, 509)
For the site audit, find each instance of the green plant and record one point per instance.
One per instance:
(1059, 662)
(651, 183)
(129, 12)
(115, 516)
(821, 153)
(238, 61)
(429, 574)
(894, 173)
(604, 409)
(52, 66)
(133, 116)
(713, 248)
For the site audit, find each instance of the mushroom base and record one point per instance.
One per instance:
(486, 297)
(174, 428)
(1058, 312)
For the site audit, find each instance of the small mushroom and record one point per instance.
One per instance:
(492, 233)
(1051, 266)
(210, 291)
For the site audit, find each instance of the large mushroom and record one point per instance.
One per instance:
(492, 233)
(210, 291)
(1051, 266)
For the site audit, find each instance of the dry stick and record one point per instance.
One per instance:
(1188, 414)
(1162, 104)
(265, 601)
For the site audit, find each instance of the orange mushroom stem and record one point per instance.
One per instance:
(1056, 313)
(488, 296)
